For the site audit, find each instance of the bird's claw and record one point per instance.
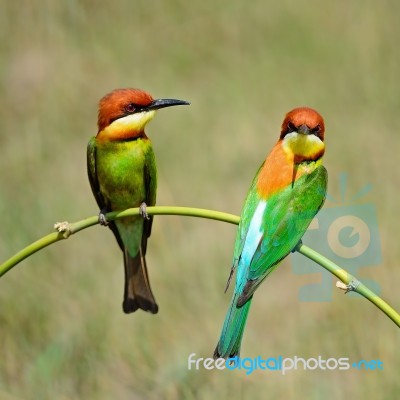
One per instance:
(102, 218)
(297, 246)
(143, 211)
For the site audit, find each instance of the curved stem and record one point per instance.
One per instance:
(353, 283)
(66, 229)
(75, 227)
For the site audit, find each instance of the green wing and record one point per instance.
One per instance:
(249, 207)
(150, 182)
(150, 177)
(91, 169)
(94, 184)
(285, 219)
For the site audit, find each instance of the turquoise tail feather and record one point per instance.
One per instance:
(232, 331)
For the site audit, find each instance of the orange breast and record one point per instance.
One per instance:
(277, 172)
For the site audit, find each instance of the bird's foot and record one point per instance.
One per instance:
(102, 217)
(297, 246)
(143, 211)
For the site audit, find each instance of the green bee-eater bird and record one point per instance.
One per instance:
(122, 174)
(285, 195)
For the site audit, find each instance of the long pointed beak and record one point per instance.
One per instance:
(304, 129)
(162, 103)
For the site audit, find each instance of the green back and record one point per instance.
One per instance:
(285, 218)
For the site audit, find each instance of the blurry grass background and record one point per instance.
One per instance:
(243, 65)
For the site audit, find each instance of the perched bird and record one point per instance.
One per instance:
(285, 195)
(122, 174)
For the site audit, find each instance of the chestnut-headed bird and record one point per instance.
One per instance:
(285, 195)
(122, 174)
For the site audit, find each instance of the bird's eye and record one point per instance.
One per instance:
(130, 108)
(317, 129)
(291, 127)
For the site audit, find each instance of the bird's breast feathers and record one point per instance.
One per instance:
(120, 169)
(285, 164)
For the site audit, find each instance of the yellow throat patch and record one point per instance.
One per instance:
(126, 127)
(307, 147)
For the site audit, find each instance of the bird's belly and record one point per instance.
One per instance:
(121, 180)
(122, 194)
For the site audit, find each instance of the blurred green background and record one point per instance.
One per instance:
(243, 65)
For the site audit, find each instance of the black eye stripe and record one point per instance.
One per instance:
(128, 109)
(316, 129)
(291, 127)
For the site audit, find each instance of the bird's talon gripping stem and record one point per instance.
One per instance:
(102, 218)
(297, 246)
(143, 211)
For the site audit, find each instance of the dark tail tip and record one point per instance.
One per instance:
(131, 305)
(137, 293)
(216, 354)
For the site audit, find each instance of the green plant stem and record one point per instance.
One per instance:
(88, 222)
(73, 228)
(350, 280)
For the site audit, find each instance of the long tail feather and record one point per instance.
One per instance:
(232, 331)
(137, 292)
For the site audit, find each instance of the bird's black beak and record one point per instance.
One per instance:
(304, 129)
(162, 103)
